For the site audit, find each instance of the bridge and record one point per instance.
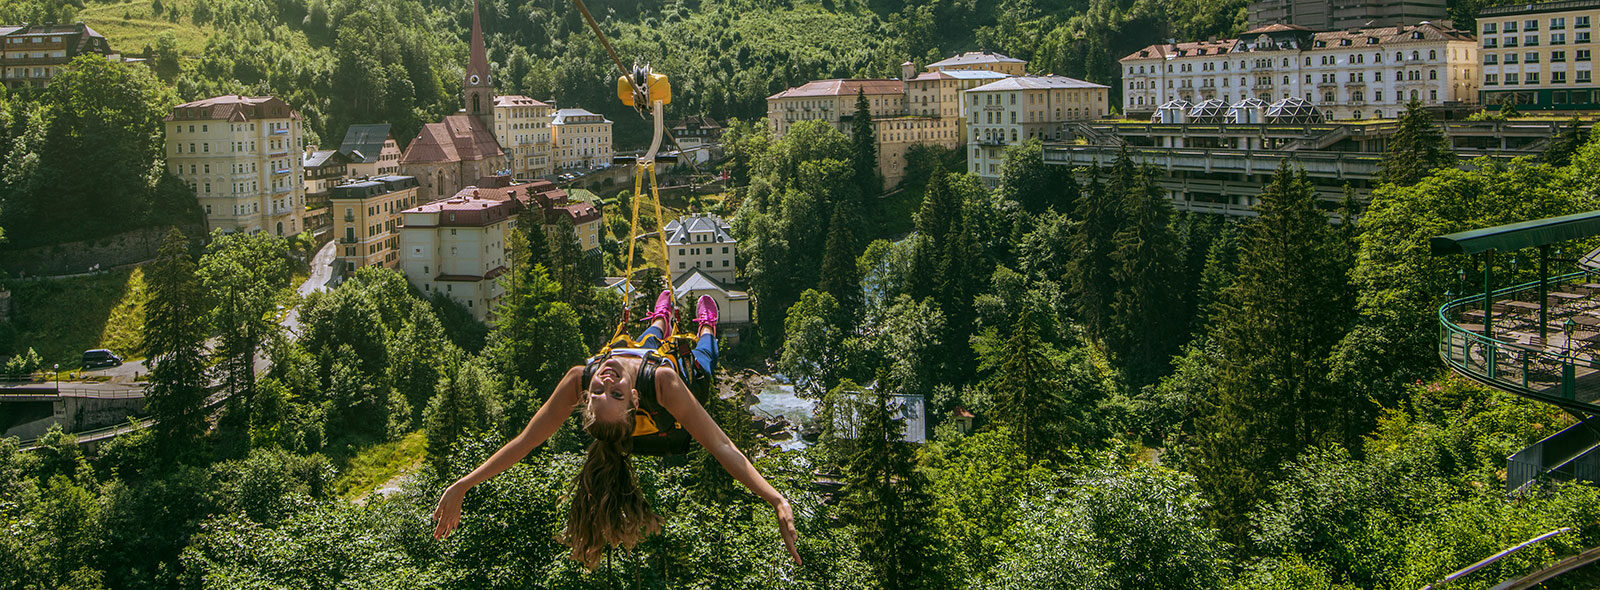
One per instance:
(32, 408)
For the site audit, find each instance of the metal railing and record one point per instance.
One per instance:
(1529, 369)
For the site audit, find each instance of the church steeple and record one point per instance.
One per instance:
(477, 93)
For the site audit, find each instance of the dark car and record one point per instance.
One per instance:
(100, 357)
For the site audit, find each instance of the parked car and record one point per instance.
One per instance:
(100, 357)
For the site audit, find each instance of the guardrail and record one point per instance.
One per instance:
(1531, 370)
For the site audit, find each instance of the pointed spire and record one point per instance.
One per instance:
(478, 63)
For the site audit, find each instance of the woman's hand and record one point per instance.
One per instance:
(448, 514)
(786, 527)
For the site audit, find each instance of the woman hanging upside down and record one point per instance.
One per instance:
(607, 506)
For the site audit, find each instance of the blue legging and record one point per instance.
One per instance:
(705, 351)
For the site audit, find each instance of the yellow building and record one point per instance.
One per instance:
(1540, 56)
(523, 126)
(580, 139)
(983, 61)
(1013, 110)
(457, 246)
(241, 155)
(366, 220)
(833, 101)
(372, 151)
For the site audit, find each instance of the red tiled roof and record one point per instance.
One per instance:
(1275, 28)
(233, 107)
(517, 100)
(459, 138)
(1190, 49)
(838, 87)
(466, 211)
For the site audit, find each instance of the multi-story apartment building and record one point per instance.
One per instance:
(324, 169)
(241, 155)
(1345, 14)
(981, 61)
(1347, 74)
(371, 150)
(935, 114)
(1540, 56)
(31, 55)
(366, 220)
(1009, 111)
(523, 126)
(551, 203)
(833, 101)
(702, 242)
(581, 139)
(457, 246)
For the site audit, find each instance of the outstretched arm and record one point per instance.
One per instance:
(680, 402)
(543, 424)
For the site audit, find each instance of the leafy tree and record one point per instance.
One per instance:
(813, 347)
(1287, 309)
(864, 148)
(98, 125)
(1417, 148)
(174, 337)
(243, 273)
(414, 354)
(1026, 179)
(465, 406)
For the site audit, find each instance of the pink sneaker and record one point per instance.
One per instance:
(708, 311)
(664, 308)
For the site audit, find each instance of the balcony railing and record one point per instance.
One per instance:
(1504, 346)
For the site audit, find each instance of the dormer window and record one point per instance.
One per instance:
(1372, 40)
(1416, 34)
(1344, 42)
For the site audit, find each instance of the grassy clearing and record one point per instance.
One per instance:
(370, 467)
(60, 318)
(124, 331)
(129, 26)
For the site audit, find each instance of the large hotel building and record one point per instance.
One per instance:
(1347, 74)
(1540, 56)
(242, 156)
(930, 108)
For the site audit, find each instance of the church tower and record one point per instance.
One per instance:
(476, 91)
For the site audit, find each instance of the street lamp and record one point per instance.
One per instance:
(56, 368)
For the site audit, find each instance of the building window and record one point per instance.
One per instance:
(1490, 59)
(1582, 77)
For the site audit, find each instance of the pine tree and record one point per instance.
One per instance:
(243, 272)
(1147, 323)
(1563, 146)
(1033, 184)
(1416, 149)
(1025, 389)
(1092, 281)
(174, 337)
(1288, 307)
(864, 149)
(840, 277)
(536, 336)
(936, 220)
(463, 406)
(886, 496)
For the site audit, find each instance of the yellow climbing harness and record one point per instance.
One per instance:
(647, 91)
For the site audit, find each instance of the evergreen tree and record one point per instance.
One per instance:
(885, 496)
(1564, 146)
(1290, 304)
(936, 220)
(864, 149)
(1416, 149)
(840, 277)
(1025, 390)
(1093, 284)
(464, 405)
(1222, 260)
(174, 337)
(535, 336)
(1147, 320)
(414, 354)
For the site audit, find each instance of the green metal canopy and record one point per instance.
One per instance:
(1516, 236)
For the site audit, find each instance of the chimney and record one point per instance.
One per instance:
(908, 71)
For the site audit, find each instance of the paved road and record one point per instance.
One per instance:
(321, 274)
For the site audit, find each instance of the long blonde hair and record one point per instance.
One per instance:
(608, 508)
